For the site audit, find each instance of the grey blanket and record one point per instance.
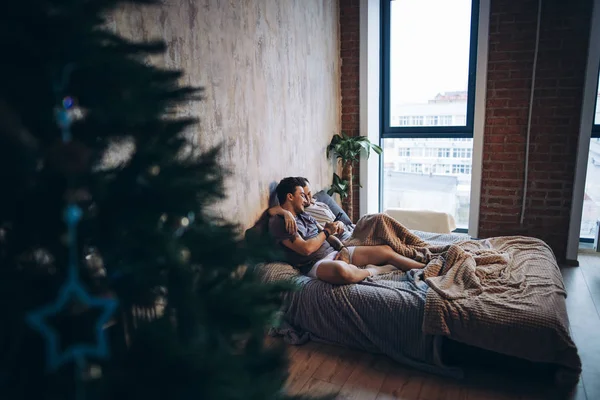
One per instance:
(379, 315)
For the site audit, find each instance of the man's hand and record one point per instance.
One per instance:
(330, 227)
(288, 217)
(343, 255)
(290, 222)
(340, 227)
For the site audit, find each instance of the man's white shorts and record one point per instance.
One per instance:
(330, 257)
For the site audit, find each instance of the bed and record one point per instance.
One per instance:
(505, 295)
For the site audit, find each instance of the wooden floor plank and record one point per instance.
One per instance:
(402, 383)
(365, 380)
(304, 363)
(585, 323)
(453, 390)
(589, 261)
(587, 338)
(432, 388)
(317, 387)
(394, 383)
(338, 366)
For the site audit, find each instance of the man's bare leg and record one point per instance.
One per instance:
(341, 273)
(381, 255)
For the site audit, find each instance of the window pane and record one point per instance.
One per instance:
(591, 198)
(429, 62)
(429, 174)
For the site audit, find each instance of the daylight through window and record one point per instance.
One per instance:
(427, 104)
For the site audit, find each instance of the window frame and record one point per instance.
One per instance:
(423, 131)
(596, 127)
(594, 135)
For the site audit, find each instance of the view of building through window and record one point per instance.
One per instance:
(591, 198)
(427, 102)
(429, 174)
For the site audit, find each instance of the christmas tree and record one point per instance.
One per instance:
(105, 218)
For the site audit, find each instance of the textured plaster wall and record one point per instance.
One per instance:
(271, 73)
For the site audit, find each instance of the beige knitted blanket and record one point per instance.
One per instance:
(504, 294)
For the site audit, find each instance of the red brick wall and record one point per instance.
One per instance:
(349, 47)
(555, 118)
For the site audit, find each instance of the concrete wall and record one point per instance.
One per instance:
(271, 74)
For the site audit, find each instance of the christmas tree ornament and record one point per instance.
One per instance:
(95, 263)
(68, 102)
(183, 224)
(185, 254)
(72, 291)
(55, 355)
(154, 170)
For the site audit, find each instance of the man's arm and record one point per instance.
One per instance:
(307, 247)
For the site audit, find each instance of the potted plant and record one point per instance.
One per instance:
(347, 149)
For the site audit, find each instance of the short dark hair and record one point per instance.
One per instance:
(303, 181)
(285, 186)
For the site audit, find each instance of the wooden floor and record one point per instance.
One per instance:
(317, 369)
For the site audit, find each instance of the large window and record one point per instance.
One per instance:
(428, 96)
(591, 198)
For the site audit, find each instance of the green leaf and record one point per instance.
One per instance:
(348, 149)
(367, 147)
(377, 149)
(339, 186)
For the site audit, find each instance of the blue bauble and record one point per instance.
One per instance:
(68, 102)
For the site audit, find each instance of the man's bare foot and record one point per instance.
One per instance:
(381, 270)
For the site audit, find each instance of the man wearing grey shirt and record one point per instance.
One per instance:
(307, 248)
(318, 210)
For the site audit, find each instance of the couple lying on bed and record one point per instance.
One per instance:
(306, 246)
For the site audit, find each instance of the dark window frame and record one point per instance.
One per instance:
(394, 132)
(595, 135)
(400, 132)
(596, 127)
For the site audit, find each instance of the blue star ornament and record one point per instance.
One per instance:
(78, 351)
